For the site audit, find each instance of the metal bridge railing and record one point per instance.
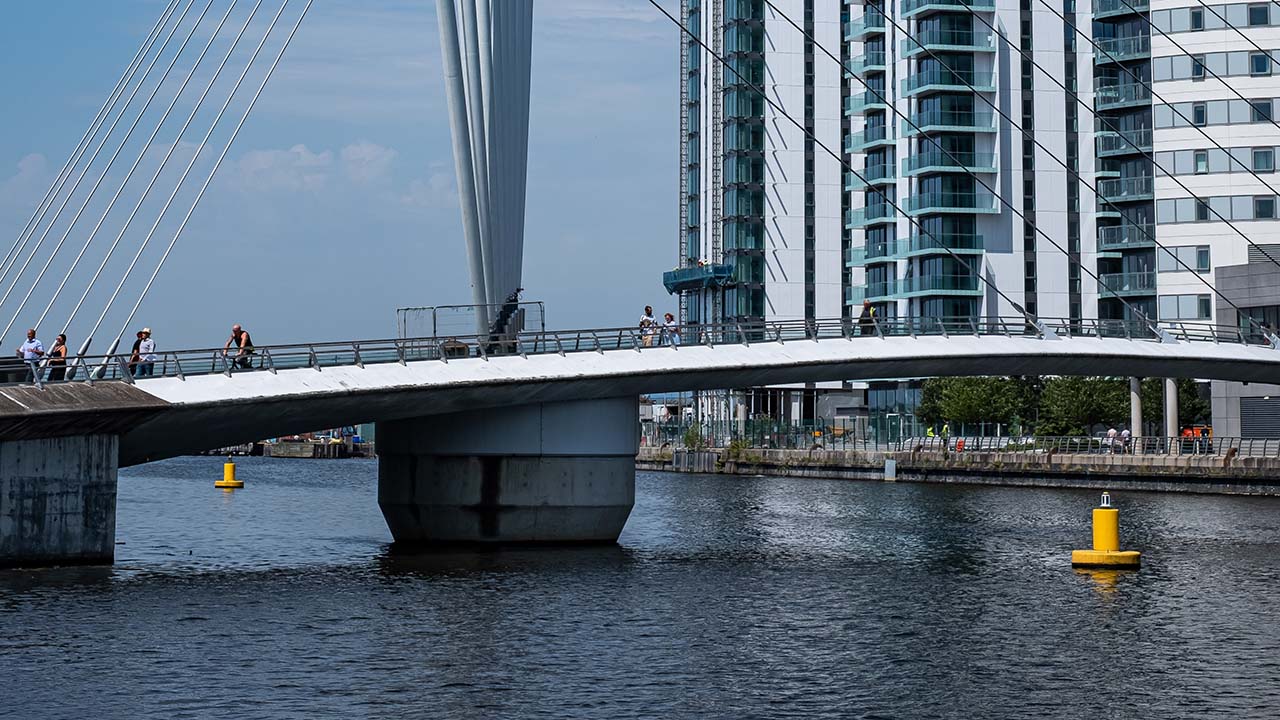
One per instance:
(185, 363)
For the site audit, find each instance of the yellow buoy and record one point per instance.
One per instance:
(1106, 552)
(229, 481)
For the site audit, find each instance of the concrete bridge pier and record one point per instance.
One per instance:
(544, 473)
(58, 501)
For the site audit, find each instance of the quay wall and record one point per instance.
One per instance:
(1167, 473)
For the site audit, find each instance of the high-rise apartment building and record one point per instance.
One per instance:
(988, 140)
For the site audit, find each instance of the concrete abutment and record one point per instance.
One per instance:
(58, 501)
(544, 473)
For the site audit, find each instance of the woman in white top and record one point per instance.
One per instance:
(671, 329)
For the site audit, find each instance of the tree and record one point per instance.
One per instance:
(977, 400)
(1073, 405)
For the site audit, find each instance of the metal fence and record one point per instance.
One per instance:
(183, 363)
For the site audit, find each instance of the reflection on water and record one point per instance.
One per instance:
(727, 597)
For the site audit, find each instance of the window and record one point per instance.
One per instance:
(1197, 67)
(1202, 210)
(1259, 15)
(1199, 114)
(1197, 19)
(1180, 259)
(1261, 110)
(1264, 160)
(1185, 307)
(1202, 162)
(1264, 207)
(1259, 64)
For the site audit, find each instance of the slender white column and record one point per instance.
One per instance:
(1135, 409)
(451, 52)
(1170, 407)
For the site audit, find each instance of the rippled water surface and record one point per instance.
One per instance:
(727, 597)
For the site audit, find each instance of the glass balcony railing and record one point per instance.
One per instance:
(872, 175)
(881, 289)
(854, 295)
(861, 217)
(864, 101)
(1126, 189)
(949, 121)
(940, 285)
(870, 62)
(1121, 49)
(959, 243)
(951, 202)
(939, 40)
(886, 251)
(1124, 284)
(1128, 142)
(939, 79)
(912, 7)
(696, 278)
(939, 161)
(1110, 8)
(869, 137)
(871, 22)
(1110, 97)
(1116, 238)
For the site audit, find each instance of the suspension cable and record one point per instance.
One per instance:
(68, 168)
(952, 156)
(212, 172)
(105, 170)
(93, 234)
(1180, 114)
(195, 157)
(163, 163)
(892, 203)
(1079, 177)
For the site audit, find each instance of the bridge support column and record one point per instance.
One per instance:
(58, 501)
(548, 473)
(1135, 412)
(1170, 408)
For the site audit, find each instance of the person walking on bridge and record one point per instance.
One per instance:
(648, 326)
(58, 359)
(867, 320)
(670, 330)
(146, 354)
(243, 344)
(31, 351)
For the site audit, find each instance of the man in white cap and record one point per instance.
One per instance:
(146, 355)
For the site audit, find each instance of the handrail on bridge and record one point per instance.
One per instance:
(182, 364)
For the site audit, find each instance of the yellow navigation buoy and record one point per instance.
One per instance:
(1106, 552)
(229, 481)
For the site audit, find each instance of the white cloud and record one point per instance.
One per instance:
(438, 191)
(31, 179)
(366, 162)
(296, 169)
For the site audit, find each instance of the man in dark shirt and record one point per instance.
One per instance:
(243, 344)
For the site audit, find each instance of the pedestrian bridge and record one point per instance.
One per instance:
(199, 400)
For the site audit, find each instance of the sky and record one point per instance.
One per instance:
(337, 202)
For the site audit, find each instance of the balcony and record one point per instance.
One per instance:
(854, 295)
(939, 40)
(870, 137)
(1129, 142)
(1118, 238)
(1133, 189)
(1111, 50)
(952, 202)
(870, 23)
(943, 243)
(1114, 97)
(881, 290)
(870, 62)
(696, 278)
(864, 101)
(1114, 8)
(916, 7)
(940, 285)
(878, 252)
(1126, 284)
(936, 161)
(937, 80)
(870, 215)
(873, 175)
(949, 121)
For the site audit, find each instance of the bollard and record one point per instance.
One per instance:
(1106, 550)
(229, 481)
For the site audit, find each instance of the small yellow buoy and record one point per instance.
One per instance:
(1106, 552)
(229, 481)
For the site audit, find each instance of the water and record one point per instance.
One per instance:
(727, 597)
